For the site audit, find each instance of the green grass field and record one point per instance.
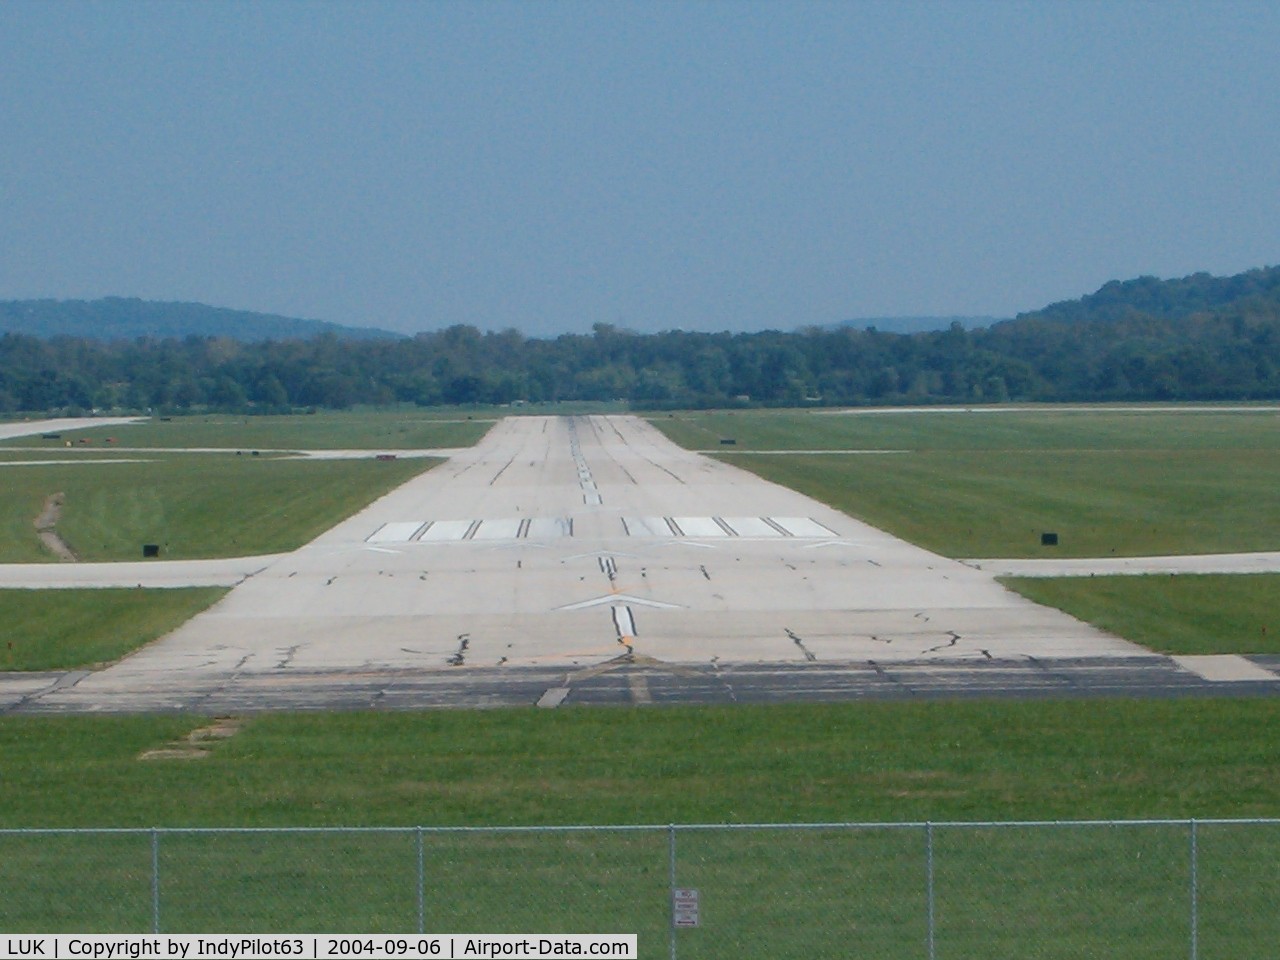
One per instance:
(984, 428)
(851, 761)
(1109, 483)
(193, 506)
(1175, 615)
(1100, 503)
(70, 629)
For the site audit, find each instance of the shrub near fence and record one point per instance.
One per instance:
(1138, 889)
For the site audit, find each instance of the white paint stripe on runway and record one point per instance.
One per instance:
(507, 529)
(700, 527)
(624, 622)
(501, 528)
(803, 527)
(446, 530)
(751, 527)
(400, 531)
(711, 527)
(617, 598)
(546, 528)
(1225, 668)
(647, 526)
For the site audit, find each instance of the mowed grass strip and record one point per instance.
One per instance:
(194, 506)
(804, 762)
(1186, 614)
(1100, 503)
(988, 484)
(395, 429)
(982, 428)
(68, 629)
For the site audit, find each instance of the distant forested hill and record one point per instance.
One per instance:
(120, 318)
(915, 324)
(1198, 337)
(1194, 338)
(1169, 299)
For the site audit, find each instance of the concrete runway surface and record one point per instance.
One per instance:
(589, 559)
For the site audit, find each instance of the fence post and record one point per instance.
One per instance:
(929, 899)
(422, 887)
(1195, 894)
(155, 880)
(671, 887)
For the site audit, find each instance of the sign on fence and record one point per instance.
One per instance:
(684, 907)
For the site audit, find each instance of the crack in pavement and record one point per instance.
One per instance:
(799, 642)
(719, 675)
(459, 658)
(502, 471)
(889, 678)
(955, 638)
(61, 682)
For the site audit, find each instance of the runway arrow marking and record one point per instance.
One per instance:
(615, 598)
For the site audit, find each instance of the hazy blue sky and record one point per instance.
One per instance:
(709, 166)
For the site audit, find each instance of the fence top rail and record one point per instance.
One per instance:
(650, 827)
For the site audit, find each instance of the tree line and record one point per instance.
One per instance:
(1198, 338)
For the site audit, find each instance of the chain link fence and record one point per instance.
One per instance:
(935, 891)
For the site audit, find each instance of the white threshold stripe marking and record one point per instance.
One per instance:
(544, 528)
(706, 528)
(803, 527)
(624, 622)
(646, 526)
(498, 530)
(502, 528)
(395, 532)
(751, 527)
(445, 530)
(700, 527)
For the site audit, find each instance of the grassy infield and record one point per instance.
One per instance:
(1132, 482)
